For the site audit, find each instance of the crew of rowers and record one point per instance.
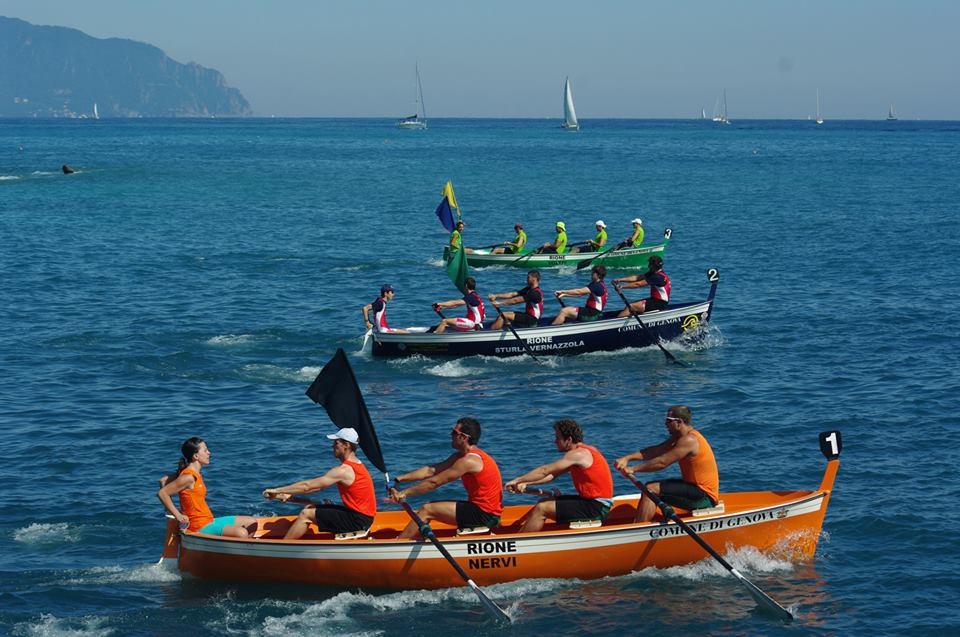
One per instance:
(697, 488)
(375, 312)
(559, 244)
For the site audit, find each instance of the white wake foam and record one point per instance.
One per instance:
(50, 626)
(55, 533)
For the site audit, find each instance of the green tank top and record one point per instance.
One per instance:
(561, 242)
(520, 240)
(639, 239)
(455, 240)
(600, 239)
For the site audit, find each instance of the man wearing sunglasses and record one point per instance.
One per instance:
(474, 467)
(699, 486)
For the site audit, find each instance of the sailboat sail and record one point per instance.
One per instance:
(819, 119)
(419, 118)
(891, 117)
(96, 113)
(569, 114)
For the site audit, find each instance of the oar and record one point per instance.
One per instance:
(526, 256)
(509, 325)
(653, 338)
(436, 308)
(495, 611)
(337, 390)
(543, 493)
(586, 262)
(763, 600)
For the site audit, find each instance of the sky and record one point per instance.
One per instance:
(495, 58)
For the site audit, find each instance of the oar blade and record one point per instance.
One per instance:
(492, 609)
(764, 601)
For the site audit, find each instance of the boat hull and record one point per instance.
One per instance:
(785, 524)
(608, 334)
(619, 259)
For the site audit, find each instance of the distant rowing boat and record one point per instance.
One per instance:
(609, 333)
(625, 258)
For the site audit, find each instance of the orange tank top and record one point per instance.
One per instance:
(701, 469)
(595, 481)
(193, 502)
(484, 487)
(359, 496)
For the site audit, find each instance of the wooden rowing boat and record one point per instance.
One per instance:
(627, 258)
(680, 320)
(782, 523)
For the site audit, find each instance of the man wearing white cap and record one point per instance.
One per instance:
(596, 244)
(636, 239)
(352, 480)
(559, 244)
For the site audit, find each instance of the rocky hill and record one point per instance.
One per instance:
(59, 72)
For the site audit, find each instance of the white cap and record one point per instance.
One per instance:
(600, 223)
(638, 221)
(347, 433)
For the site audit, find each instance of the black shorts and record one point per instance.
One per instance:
(571, 508)
(684, 495)
(524, 320)
(588, 314)
(469, 515)
(653, 305)
(337, 518)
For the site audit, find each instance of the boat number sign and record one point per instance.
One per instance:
(494, 554)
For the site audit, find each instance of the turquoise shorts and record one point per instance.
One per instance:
(216, 527)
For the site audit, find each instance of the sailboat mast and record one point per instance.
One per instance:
(420, 93)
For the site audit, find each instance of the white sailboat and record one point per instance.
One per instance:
(819, 119)
(569, 114)
(720, 110)
(417, 121)
(96, 113)
(703, 113)
(891, 117)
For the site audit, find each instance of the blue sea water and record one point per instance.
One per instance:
(192, 277)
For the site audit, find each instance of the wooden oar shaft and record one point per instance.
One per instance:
(495, 611)
(764, 600)
(509, 325)
(644, 327)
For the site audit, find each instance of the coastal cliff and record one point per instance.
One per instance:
(50, 71)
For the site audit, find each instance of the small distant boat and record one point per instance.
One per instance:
(417, 121)
(96, 113)
(819, 119)
(891, 116)
(569, 114)
(720, 110)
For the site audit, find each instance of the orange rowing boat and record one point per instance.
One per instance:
(785, 524)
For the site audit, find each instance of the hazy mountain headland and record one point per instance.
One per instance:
(48, 71)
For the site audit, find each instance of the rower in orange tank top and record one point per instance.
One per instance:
(475, 468)
(700, 484)
(354, 483)
(589, 471)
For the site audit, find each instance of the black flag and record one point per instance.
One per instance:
(335, 387)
